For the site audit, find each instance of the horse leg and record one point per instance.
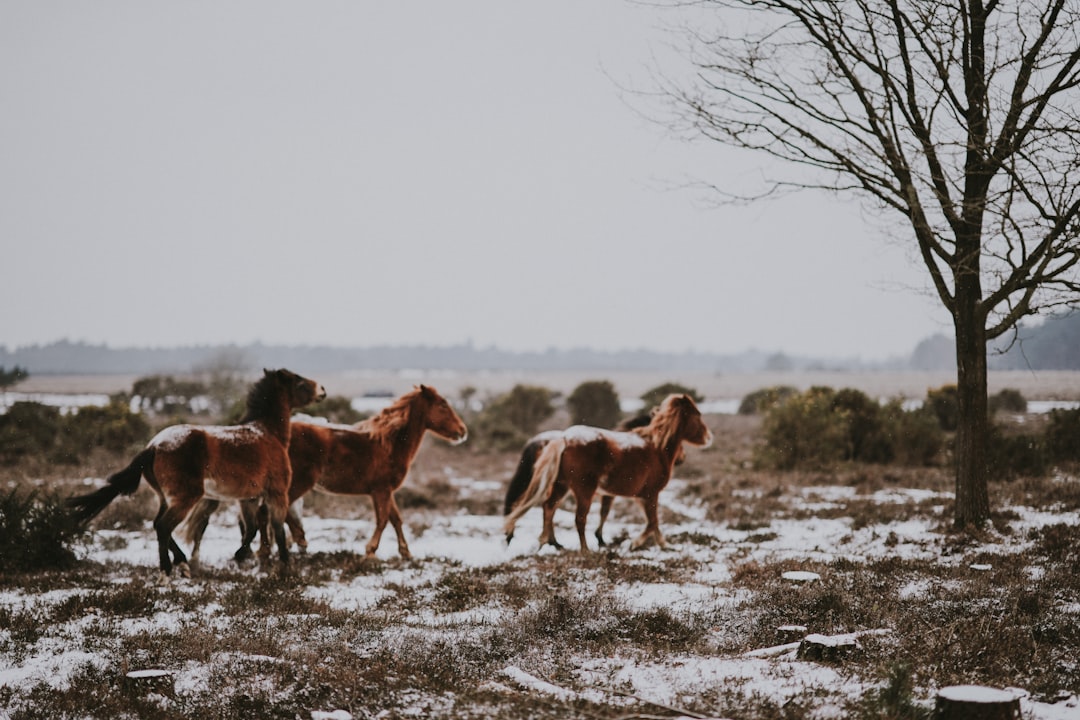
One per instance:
(395, 520)
(296, 528)
(650, 505)
(180, 561)
(263, 523)
(583, 494)
(207, 508)
(547, 535)
(277, 506)
(168, 518)
(249, 525)
(381, 501)
(605, 508)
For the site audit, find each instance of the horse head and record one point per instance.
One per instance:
(440, 417)
(695, 431)
(678, 419)
(299, 390)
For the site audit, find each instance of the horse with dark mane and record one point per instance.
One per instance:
(184, 463)
(536, 444)
(371, 457)
(586, 461)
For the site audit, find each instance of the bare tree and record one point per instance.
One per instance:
(959, 116)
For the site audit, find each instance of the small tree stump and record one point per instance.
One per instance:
(145, 682)
(830, 648)
(801, 576)
(975, 702)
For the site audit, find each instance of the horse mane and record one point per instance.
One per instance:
(394, 417)
(263, 398)
(666, 422)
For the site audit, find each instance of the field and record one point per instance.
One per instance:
(473, 628)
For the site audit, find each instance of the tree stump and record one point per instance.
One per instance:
(801, 576)
(975, 702)
(145, 682)
(830, 648)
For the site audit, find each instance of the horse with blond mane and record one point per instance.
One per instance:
(535, 445)
(184, 463)
(587, 460)
(371, 457)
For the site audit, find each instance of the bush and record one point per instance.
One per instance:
(113, 427)
(821, 426)
(36, 532)
(763, 400)
(805, 432)
(1017, 455)
(594, 403)
(28, 429)
(652, 398)
(867, 439)
(1060, 438)
(336, 409)
(916, 436)
(1007, 400)
(512, 418)
(32, 430)
(166, 395)
(946, 406)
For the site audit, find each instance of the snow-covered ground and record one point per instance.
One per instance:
(440, 542)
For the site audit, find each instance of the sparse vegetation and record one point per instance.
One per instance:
(435, 637)
(35, 532)
(12, 377)
(508, 420)
(763, 400)
(654, 396)
(594, 403)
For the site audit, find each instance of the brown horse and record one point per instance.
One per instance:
(184, 463)
(638, 464)
(536, 444)
(369, 458)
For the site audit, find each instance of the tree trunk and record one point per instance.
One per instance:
(972, 496)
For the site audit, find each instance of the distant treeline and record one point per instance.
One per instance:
(66, 357)
(1052, 345)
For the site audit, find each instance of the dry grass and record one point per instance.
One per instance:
(436, 636)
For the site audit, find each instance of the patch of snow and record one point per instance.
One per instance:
(532, 682)
(331, 715)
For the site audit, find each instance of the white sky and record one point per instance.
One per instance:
(360, 173)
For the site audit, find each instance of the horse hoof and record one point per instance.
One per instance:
(183, 570)
(509, 537)
(163, 578)
(242, 555)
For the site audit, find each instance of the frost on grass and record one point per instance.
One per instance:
(473, 623)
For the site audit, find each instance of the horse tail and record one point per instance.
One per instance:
(197, 520)
(122, 482)
(523, 475)
(543, 478)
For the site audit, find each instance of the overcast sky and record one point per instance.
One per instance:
(360, 173)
